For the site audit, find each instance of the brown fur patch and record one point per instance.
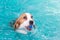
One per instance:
(19, 21)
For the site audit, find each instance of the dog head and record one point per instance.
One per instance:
(24, 21)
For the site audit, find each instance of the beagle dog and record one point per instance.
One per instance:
(24, 23)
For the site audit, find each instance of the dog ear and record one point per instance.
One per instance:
(16, 25)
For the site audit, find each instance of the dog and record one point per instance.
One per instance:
(24, 23)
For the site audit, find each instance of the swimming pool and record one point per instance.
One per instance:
(46, 15)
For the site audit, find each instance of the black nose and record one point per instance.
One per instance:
(31, 22)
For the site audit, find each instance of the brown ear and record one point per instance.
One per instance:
(16, 25)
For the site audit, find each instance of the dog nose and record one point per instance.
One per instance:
(31, 22)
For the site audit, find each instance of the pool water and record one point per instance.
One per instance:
(46, 15)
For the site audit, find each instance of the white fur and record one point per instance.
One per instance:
(22, 28)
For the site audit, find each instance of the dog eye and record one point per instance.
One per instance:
(31, 16)
(25, 17)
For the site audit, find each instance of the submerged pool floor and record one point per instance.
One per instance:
(46, 15)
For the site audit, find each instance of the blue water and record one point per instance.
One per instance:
(46, 15)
